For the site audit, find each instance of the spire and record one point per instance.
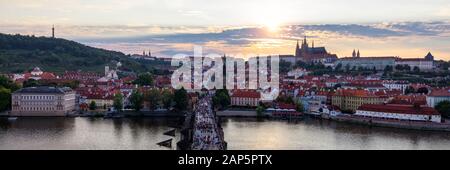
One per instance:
(358, 54)
(143, 53)
(313, 44)
(149, 53)
(354, 53)
(429, 56)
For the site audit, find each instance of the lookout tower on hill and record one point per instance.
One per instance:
(53, 31)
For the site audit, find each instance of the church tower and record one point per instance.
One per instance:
(297, 50)
(305, 46)
(354, 53)
(358, 54)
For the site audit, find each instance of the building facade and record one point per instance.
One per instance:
(43, 101)
(309, 54)
(424, 64)
(438, 95)
(249, 98)
(378, 63)
(399, 112)
(350, 99)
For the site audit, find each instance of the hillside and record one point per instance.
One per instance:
(19, 53)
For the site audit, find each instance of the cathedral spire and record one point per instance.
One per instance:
(354, 53)
(297, 49)
(358, 54)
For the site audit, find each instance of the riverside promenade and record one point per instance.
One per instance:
(202, 130)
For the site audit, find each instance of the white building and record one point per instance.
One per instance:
(438, 95)
(395, 85)
(245, 98)
(43, 101)
(399, 112)
(424, 64)
(297, 73)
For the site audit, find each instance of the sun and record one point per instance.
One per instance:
(272, 26)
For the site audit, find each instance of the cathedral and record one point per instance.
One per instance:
(313, 54)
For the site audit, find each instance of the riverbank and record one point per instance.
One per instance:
(237, 113)
(411, 125)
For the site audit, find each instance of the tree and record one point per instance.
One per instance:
(285, 99)
(153, 97)
(422, 90)
(8, 84)
(118, 102)
(299, 107)
(31, 83)
(347, 68)
(399, 67)
(181, 99)
(443, 108)
(338, 67)
(5, 98)
(136, 100)
(416, 69)
(167, 99)
(93, 105)
(260, 111)
(388, 69)
(222, 98)
(145, 79)
(409, 90)
(406, 67)
(337, 86)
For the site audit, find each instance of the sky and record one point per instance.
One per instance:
(406, 28)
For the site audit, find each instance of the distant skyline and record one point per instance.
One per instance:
(405, 28)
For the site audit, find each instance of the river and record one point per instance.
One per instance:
(240, 133)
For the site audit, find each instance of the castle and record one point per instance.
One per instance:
(313, 54)
(308, 54)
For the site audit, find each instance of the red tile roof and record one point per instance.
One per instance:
(440, 92)
(246, 94)
(402, 109)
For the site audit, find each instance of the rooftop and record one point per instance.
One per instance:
(401, 109)
(44, 89)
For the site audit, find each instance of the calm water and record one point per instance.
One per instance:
(87, 133)
(84, 133)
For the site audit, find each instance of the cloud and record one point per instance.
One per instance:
(339, 38)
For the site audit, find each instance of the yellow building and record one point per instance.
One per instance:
(351, 99)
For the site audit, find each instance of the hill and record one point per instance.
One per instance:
(19, 53)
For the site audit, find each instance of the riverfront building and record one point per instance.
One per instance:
(399, 112)
(248, 98)
(351, 99)
(438, 95)
(43, 101)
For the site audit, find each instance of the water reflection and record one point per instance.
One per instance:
(240, 133)
(323, 134)
(84, 133)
